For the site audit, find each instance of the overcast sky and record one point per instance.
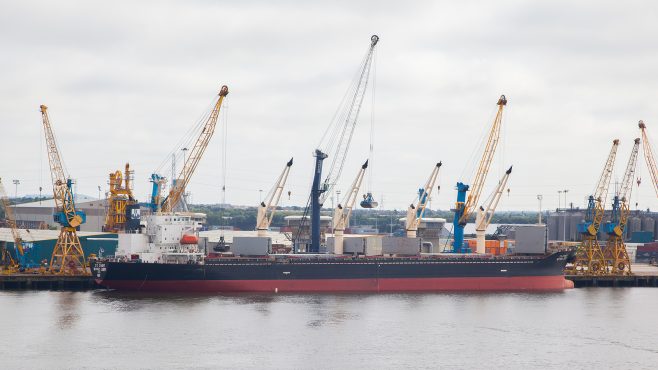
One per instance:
(124, 82)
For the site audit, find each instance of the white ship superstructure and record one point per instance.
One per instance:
(167, 238)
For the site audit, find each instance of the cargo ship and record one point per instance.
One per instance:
(166, 257)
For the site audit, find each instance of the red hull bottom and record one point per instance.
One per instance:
(530, 283)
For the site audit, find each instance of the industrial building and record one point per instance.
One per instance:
(562, 225)
(35, 215)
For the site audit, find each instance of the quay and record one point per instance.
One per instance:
(46, 282)
(643, 276)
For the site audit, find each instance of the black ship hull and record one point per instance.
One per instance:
(324, 274)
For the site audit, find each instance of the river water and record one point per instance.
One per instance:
(596, 328)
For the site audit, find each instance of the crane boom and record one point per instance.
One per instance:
(624, 192)
(464, 207)
(484, 215)
(589, 259)
(415, 212)
(343, 211)
(615, 249)
(62, 189)
(267, 208)
(343, 137)
(648, 156)
(338, 138)
(194, 158)
(11, 220)
(68, 256)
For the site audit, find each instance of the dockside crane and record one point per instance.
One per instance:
(119, 198)
(614, 251)
(8, 261)
(648, 156)
(337, 141)
(589, 259)
(415, 211)
(464, 207)
(343, 211)
(191, 162)
(484, 215)
(267, 207)
(68, 256)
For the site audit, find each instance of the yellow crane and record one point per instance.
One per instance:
(464, 207)
(648, 156)
(614, 251)
(267, 207)
(68, 257)
(191, 162)
(415, 212)
(10, 220)
(120, 196)
(589, 259)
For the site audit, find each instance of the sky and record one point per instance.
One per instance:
(125, 81)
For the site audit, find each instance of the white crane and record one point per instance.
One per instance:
(484, 216)
(415, 212)
(343, 210)
(268, 206)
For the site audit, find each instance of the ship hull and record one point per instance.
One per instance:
(535, 283)
(384, 275)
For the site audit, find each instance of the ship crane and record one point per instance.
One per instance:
(615, 249)
(10, 220)
(337, 139)
(589, 258)
(648, 156)
(191, 161)
(68, 256)
(464, 207)
(415, 212)
(344, 209)
(267, 207)
(484, 215)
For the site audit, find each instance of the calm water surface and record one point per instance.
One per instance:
(577, 329)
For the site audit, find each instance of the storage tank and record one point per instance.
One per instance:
(634, 224)
(648, 224)
(562, 226)
(552, 226)
(574, 220)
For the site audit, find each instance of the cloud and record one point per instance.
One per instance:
(124, 81)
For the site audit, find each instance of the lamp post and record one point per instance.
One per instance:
(559, 199)
(539, 198)
(565, 191)
(16, 182)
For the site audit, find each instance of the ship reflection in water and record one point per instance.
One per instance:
(581, 328)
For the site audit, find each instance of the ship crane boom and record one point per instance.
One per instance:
(415, 212)
(484, 216)
(267, 207)
(343, 211)
(465, 207)
(191, 162)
